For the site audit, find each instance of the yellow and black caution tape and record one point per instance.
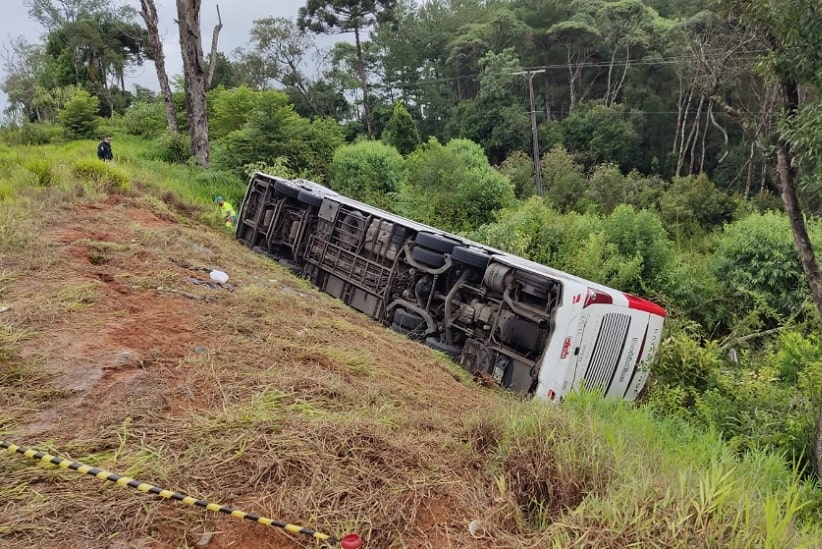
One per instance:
(188, 500)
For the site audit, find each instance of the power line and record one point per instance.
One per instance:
(751, 55)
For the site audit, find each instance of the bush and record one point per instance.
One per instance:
(756, 257)
(145, 118)
(453, 186)
(520, 230)
(172, 148)
(694, 204)
(272, 129)
(33, 134)
(682, 371)
(229, 110)
(519, 169)
(607, 188)
(105, 176)
(562, 178)
(43, 170)
(369, 171)
(603, 134)
(401, 131)
(79, 116)
(641, 233)
(280, 167)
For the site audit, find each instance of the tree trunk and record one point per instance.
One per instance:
(363, 83)
(191, 46)
(786, 173)
(610, 74)
(217, 28)
(682, 124)
(573, 73)
(618, 86)
(149, 15)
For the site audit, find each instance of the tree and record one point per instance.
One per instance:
(717, 59)
(94, 52)
(519, 169)
(401, 130)
(79, 116)
(148, 11)
(191, 46)
(226, 73)
(263, 126)
(758, 261)
(55, 14)
(792, 32)
(694, 204)
(453, 186)
(369, 171)
(215, 36)
(599, 133)
(630, 25)
(21, 62)
(281, 49)
(496, 117)
(607, 187)
(323, 16)
(564, 182)
(580, 40)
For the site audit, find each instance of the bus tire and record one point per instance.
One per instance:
(407, 320)
(290, 265)
(427, 257)
(286, 189)
(399, 329)
(436, 242)
(307, 197)
(472, 258)
(438, 345)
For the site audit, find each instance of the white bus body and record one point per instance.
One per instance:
(531, 328)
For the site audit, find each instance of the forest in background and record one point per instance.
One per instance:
(668, 133)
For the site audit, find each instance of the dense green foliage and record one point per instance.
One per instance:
(453, 186)
(369, 171)
(262, 126)
(401, 131)
(79, 116)
(757, 259)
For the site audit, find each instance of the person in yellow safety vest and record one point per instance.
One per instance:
(227, 211)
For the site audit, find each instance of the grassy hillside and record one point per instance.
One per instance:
(268, 396)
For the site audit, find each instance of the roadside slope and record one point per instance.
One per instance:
(265, 394)
(117, 351)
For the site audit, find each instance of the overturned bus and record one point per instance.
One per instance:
(533, 329)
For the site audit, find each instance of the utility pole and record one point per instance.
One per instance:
(529, 75)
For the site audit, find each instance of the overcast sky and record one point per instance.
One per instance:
(237, 16)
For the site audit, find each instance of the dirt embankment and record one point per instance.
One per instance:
(117, 349)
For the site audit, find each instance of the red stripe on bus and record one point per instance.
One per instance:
(640, 304)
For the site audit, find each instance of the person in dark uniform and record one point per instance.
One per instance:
(104, 150)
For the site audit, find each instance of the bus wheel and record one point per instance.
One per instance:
(428, 257)
(435, 242)
(286, 190)
(472, 258)
(290, 265)
(438, 345)
(409, 321)
(307, 197)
